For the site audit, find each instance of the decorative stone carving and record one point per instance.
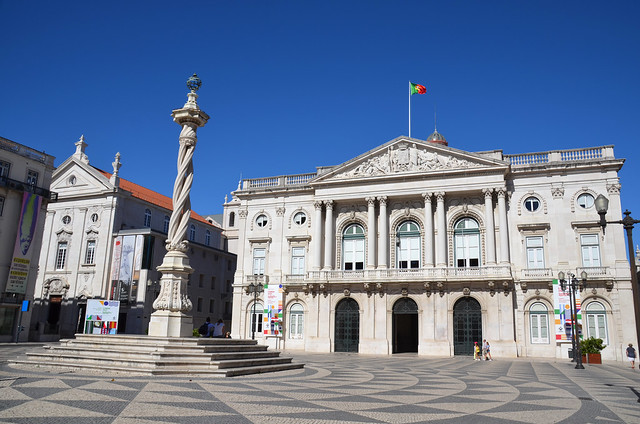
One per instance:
(466, 291)
(405, 292)
(523, 286)
(406, 158)
(505, 286)
(608, 285)
(537, 292)
(280, 211)
(613, 188)
(56, 286)
(557, 192)
(347, 292)
(441, 289)
(379, 289)
(242, 213)
(427, 288)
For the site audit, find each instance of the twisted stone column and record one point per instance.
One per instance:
(172, 304)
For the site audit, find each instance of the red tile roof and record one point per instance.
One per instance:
(151, 196)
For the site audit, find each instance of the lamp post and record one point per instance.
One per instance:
(602, 205)
(255, 288)
(572, 283)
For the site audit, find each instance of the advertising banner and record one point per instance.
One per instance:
(22, 251)
(101, 316)
(272, 317)
(562, 309)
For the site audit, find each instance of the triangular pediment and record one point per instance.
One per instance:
(76, 178)
(405, 155)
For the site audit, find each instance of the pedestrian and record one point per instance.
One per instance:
(631, 355)
(484, 349)
(487, 351)
(476, 351)
(227, 335)
(209, 327)
(218, 329)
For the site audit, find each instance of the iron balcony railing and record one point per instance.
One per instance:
(23, 186)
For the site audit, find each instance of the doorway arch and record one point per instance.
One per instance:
(405, 326)
(467, 325)
(347, 331)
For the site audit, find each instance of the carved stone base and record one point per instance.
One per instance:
(170, 324)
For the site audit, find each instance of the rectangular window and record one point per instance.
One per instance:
(211, 304)
(535, 252)
(353, 254)
(597, 327)
(213, 283)
(409, 252)
(539, 328)
(256, 321)
(61, 257)
(297, 261)
(90, 254)
(590, 250)
(259, 256)
(467, 250)
(4, 169)
(201, 281)
(1, 204)
(199, 304)
(32, 178)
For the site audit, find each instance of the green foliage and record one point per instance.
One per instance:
(591, 345)
(195, 333)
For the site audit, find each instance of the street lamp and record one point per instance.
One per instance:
(572, 284)
(255, 288)
(602, 205)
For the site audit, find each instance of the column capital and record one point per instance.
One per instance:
(502, 191)
(371, 201)
(427, 196)
(329, 204)
(317, 204)
(488, 192)
(382, 200)
(440, 196)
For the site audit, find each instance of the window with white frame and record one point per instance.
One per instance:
(408, 245)
(90, 253)
(1, 204)
(535, 252)
(590, 250)
(296, 321)
(165, 227)
(61, 256)
(467, 243)
(4, 168)
(259, 256)
(256, 312)
(297, 260)
(353, 248)
(531, 203)
(585, 200)
(262, 221)
(207, 238)
(539, 323)
(147, 218)
(299, 218)
(32, 178)
(192, 232)
(596, 317)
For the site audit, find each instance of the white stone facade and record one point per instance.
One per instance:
(22, 170)
(430, 241)
(95, 210)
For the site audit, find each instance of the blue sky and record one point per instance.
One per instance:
(291, 85)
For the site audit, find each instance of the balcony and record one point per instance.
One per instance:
(23, 186)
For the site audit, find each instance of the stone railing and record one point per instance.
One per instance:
(280, 181)
(571, 155)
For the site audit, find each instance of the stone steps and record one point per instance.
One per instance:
(143, 355)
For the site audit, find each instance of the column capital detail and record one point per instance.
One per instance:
(502, 191)
(427, 196)
(242, 213)
(329, 204)
(440, 196)
(317, 204)
(371, 201)
(488, 192)
(383, 200)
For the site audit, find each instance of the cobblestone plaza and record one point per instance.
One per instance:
(332, 388)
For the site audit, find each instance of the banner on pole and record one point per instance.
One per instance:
(23, 250)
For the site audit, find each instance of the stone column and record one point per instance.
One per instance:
(502, 216)
(428, 230)
(371, 233)
(329, 236)
(490, 227)
(383, 244)
(170, 318)
(316, 241)
(441, 222)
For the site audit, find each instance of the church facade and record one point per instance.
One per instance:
(415, 246)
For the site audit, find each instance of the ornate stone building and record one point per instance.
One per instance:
(104, 239)
(25, 176)
(415, 246)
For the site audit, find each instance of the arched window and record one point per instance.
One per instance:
(147, 218)
(207, 238)
(296, 321)
(539, 323)
(596, 317)
(192, 232)
(467, 243)
(353, 248)
(408, 245)
(166, 224)
(256, 317)
(232, 219)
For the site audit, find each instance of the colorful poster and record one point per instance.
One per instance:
(272, 318)
(562, 307)
(101, 317)
(22, 251)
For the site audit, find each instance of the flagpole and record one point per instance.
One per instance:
(409, 109)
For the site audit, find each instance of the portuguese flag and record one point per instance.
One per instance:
(417, 88)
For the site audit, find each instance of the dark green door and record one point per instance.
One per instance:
(405, 326)
(467, 326)
(347, 334)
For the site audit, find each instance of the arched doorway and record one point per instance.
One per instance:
(467, 325)
(347, 333)
(405, 326)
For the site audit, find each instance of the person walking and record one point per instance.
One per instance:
(476, 351)
(631, 355)
(486, 347)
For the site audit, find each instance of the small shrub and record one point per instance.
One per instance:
(591, 345)
(195, 333)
